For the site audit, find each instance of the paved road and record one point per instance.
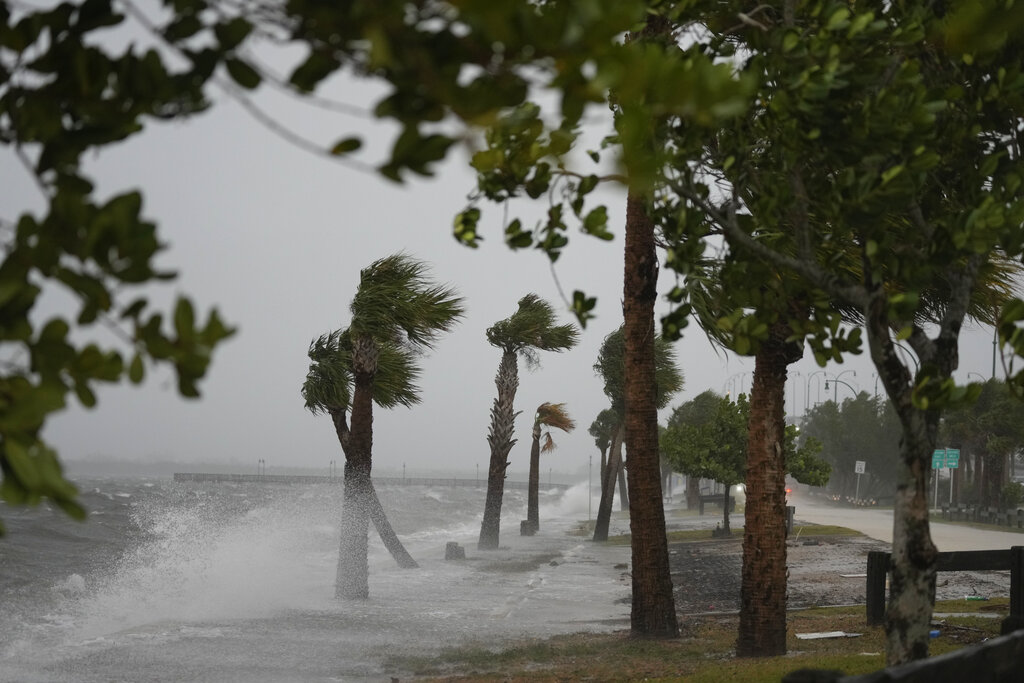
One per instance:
(878, 524)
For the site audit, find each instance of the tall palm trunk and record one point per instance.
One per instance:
(762, 631)
(376, 510)
(499, 437)
(604, 507)
(533, 494)
(653, 611)
(352, 581)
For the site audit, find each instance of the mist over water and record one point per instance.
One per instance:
(179, 582)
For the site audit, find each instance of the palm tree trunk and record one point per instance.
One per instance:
(604, 508)
(499, 437)
(386, 532)
(762, 631)
(533, 494)
(352, 581)
(653, 613)
(376, 510)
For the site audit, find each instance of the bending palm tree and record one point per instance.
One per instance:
(611, 366)
(328, 390)
(396, 314)
(550, 416)
(530, 329)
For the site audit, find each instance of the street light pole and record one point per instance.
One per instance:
(807, 390)
(835, 379)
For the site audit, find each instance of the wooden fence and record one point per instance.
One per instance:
(967, 560)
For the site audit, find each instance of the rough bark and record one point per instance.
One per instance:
(533, 493)
(653, 613)
(604, 507)
(500, 439)
(762, 631)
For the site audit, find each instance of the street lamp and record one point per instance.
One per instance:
(835, 393)
(983, 380)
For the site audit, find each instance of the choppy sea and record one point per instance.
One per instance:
(174, 581)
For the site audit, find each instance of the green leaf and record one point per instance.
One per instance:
(137, 370)
(22, 465)
(184, 319)
(232, 32)
(346, 146)
(242, 73)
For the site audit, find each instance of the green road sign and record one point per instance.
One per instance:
(945, 457)
(952, 458)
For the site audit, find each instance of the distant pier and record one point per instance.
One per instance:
(377, 481)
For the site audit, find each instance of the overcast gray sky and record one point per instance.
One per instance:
(275, 238)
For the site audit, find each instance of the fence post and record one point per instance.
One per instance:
(1016, 619)
(878, 570)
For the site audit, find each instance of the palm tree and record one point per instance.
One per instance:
(611, 366)
(530, 329)
(549, 416)
(328, 390)
(397, 313)
(603, 430)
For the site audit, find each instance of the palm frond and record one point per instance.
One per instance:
(532, 328)
(554, 416)
(328, 384)
(603, 428)
(547, 443)
(611, 367)
(397, 301)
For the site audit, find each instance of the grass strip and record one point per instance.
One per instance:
(703, 654)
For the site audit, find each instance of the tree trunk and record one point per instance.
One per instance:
(376, 510)
(604, 508)
(352, 580)
(623, 489)
(762, 631)
(500, 439)
(653, 613)
(386, 532)
(692, 492)
(912, 583)
(533, 493)
(725, 513)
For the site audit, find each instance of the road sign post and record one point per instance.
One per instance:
(858, 468)
(945, 458)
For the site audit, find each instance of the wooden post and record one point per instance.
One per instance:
(878, 570)
(1016, 619)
